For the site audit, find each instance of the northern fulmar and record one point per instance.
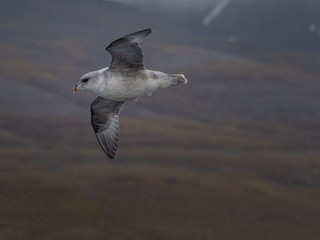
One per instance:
(124, 80)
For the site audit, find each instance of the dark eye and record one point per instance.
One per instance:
(85, 80)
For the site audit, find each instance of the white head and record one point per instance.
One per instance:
(87, 81)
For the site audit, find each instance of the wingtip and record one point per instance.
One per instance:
(110, 154)
(111, 158)
(140, 34)
(149, 30)
(135, 37)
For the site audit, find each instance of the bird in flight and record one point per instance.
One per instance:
(126, 79)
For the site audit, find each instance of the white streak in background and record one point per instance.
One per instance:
(216, 11)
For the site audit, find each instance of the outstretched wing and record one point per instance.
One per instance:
(105, 123)
(126, 52)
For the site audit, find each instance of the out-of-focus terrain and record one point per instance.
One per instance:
(234, 154)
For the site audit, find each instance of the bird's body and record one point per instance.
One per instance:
(125, 80)
(130, 85)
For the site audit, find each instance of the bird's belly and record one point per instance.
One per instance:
(127, 89)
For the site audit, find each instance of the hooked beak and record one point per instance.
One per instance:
(77, 88)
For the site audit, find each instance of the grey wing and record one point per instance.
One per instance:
(105, 123)
(126, 52)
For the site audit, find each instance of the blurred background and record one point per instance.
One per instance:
(234, 154)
